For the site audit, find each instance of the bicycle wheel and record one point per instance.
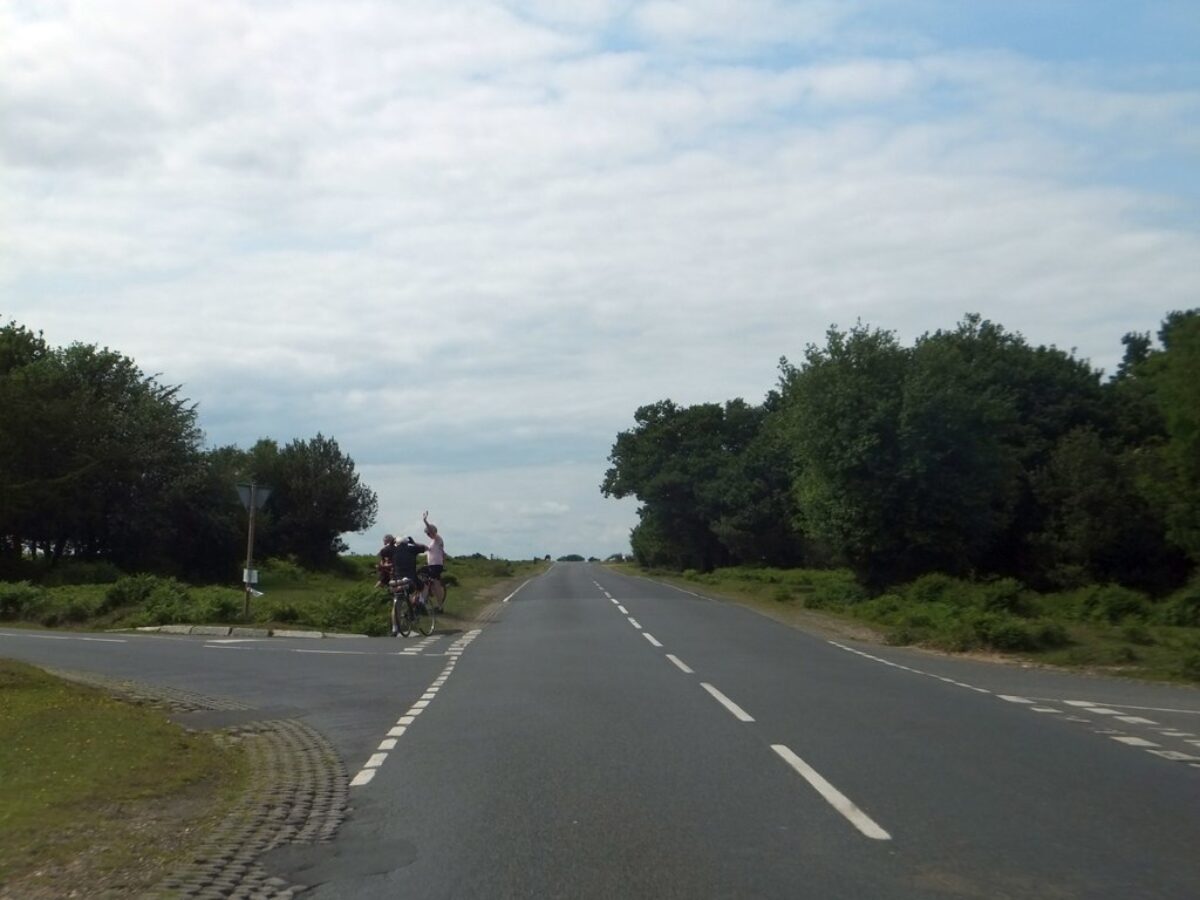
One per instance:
(403, 616)
(426, 618)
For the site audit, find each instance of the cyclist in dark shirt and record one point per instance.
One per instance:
(404, 560)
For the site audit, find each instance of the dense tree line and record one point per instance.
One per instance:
(971, 453)
(99, 461)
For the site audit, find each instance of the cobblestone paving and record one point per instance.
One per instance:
(296, 794)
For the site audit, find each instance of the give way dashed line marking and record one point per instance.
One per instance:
(388, 744)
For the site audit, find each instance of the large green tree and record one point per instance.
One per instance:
(1171, 468)
(316, 496)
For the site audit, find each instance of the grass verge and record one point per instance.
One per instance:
(1102, 628)
(99, 795)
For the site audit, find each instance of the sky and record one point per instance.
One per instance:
(467, 240)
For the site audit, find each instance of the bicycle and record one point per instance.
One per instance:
(432, 582)
(409, 612)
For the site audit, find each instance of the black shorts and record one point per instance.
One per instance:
(433, 572)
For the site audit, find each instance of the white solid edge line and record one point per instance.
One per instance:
(362, 777)
(514, 593)
(651, 639)
(832, 795)
(737, 711)
(680, 663)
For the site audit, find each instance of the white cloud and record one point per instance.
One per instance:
(510, 225)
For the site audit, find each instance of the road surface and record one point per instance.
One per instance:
(610, 736)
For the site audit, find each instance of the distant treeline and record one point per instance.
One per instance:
(970, 453)
(100, 463)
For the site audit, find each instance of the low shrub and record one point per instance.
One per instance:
(1137, 633)
(935, 588)
(168, 603)
(1182, 608)
(20, 600)
(358, 611)
(285, 613)
(216, 605)
(282, 571)
(132, 590)
(1006, 595)
(1112, 603)
(1189, 664)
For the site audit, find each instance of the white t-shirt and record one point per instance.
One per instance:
(436, 554)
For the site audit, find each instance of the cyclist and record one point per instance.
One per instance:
(387, 554)
(435, 561)
(404, 565)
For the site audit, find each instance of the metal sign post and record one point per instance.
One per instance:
(253, 497)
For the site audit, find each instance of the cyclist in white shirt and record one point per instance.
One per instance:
(435, 560)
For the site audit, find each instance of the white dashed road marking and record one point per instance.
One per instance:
(737, 711)
(832, 795)
(372, 765)
(680, 664)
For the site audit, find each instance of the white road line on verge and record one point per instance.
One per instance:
(372, 765)
(1085, 706)
(737, 711)
(1132, 741)
(333, 652)
(832, 795)
(651, 638)
(1175, 756)
(680, 664)
(65, 637)
(514, 593)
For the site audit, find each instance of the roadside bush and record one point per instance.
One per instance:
(358, 611)
(1182, 608)
(167, 604)
(1189, 663)
(1137, 633)
(449, 580)
(214, 605)
(936, 588)
(1003, 632)
(132, 590)
(1005, 595)
(1112, 603)
(20, 600)
(284, 613)
(282, 571)
(1050, 635)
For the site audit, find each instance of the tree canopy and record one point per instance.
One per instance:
(99, 461)
(970, 452)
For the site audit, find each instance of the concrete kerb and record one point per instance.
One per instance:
(239, 631)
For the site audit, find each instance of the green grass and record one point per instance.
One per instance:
(1100, 627)
(341, 600)
(83, 772)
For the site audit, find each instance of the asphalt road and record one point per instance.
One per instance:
(609, 736)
